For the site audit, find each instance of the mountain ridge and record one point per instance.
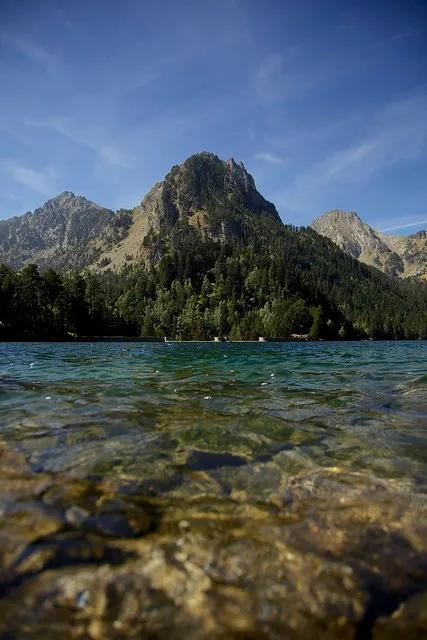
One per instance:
(57, 234)
(397, 256)
(217, 197)
(203, 191)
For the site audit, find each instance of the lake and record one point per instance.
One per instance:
(272, 490)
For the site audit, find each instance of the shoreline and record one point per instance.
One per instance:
(95, 339)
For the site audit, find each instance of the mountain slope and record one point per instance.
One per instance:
(394, 255)
(59, 234)
(413, 251)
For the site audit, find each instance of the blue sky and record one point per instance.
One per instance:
(324, 102)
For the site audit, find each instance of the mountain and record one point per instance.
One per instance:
(402, 256)
(60, 234)
(216, 196)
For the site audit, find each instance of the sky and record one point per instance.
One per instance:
(324, 102)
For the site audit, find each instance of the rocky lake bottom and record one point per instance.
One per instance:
(224, 491)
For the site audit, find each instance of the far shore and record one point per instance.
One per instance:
(148, 339)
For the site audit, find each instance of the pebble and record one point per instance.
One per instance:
(76, 515)
(184, 525)
(82, 599)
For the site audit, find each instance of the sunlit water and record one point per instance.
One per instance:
(229, 490)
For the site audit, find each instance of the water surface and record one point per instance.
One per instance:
(213, 490)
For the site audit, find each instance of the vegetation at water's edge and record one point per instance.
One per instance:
(291, 282)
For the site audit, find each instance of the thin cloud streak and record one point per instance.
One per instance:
(67, 128)
(405, 226)
(39, 181)
(275, 82)
(398, 134)
(35, 52)
(272, 158)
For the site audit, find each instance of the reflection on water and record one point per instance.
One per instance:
(213, 491)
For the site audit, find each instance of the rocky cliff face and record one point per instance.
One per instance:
(402, 256)
(60, 234)
(413, 251)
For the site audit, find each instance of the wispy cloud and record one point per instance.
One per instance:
(269, 67)
(409, 33)
(36, 53)
(405, 226)
(268, 79)
(40, 181)
(82, 136)
(280, 77)
(265, 156)
(397, 134)
(63, 17)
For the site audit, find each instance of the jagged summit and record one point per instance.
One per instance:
(68, 200)
(337, 214)
(205, 169)
(57, 234)
(204, 177)
(402, 256)
(65, 195)
(214, 195)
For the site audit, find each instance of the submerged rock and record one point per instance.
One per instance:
(408, 621)
(206, 460)
(213, 557)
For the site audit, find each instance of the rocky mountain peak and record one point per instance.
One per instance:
(219, 197)
(395, 255)
(65, 195)
(339, 215)
(206, 168)
(57, 234)
(346, 229)
(68, 200)
(200, 184)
